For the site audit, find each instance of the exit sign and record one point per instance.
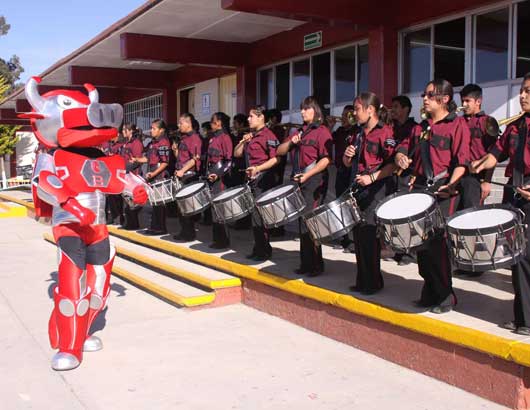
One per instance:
(313, 40)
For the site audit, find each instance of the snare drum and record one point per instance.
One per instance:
(193, 198)
(280, 205)
(163, 192)
(128, 196)
(486, 237)
(407, 220)
(233, 204)
(334, 219)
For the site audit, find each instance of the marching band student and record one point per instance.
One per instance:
(476, 187)
(187, 166)
(220, 151)
(157, 160)
(258, 148)
(513, 145)
(132, 148)
(342, 137)
(370, 165)
(440, 160)
(311, 155)
(404, 126)
(240, 128)
(114, 203)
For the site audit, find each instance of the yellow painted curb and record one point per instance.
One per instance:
(167, 294)
(12, 210)
(7, 197)
(474, 339)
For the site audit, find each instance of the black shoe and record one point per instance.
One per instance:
(445, 306)
(299, 271)
(152, 232)
(523, 330)
(215, 245)
(261, 258)
(354, 288)
(422, 303)
(509, 325)
(369, 292)
(350, 248)
(250, 256)
(183, 237)
(312, 274)
(406, 260)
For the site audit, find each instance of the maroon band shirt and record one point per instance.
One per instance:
(481, 142)
(158, 153)
(376, 147)
(261, 147)
(220, 147)
(316, 144)
(506, 146)
(449, 143)
(190, 147)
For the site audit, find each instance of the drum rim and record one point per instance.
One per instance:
(245, 187)
(275, 198)
(402, 220)
(485, 231)
(293, 217)
(336, 202)
(182, 197)
(489, 265)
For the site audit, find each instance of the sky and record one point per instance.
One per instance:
(43, 32)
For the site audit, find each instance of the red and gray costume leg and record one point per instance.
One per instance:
(80, 249)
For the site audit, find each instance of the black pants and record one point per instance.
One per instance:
(131, 217)
(262, 246)
(158, 219)
(471, 191)
(187, 223)
(521, 271)
(219, 231)
(367, 244)
(114, 207)
(314, 192)
(434, 263)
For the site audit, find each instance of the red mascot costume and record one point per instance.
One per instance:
(69, 185)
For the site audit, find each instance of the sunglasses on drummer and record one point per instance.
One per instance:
(430, 95)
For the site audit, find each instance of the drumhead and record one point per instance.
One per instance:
(228, 193)
(481, 218)
(404, 206)
(273, 193)
(189, 189)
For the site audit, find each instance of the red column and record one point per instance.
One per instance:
(169, 105)
(246, 88)
(383, 62)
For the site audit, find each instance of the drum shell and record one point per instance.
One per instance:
(282, 209)
(409, 233)
(163, 192)
(234, 207)
(333, 220)
(495, 247)
(194, 203)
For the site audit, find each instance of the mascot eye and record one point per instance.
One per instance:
(65, 102)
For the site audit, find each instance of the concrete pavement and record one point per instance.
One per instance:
(160, 357)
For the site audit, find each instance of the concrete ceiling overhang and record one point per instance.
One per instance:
(189, 19)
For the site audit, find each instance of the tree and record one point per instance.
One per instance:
(8, 136)
(4, 27)
(9, 69)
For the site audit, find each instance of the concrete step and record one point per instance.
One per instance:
(165, 287)
(12, 210)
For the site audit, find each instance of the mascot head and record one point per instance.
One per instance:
(64, 118)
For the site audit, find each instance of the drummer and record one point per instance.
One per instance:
(157, 160)
(518, 172)
(132, 148)
(370, 163)
(220, 151)
(311, 150)
(188, 162)
(438, 168)
(258, 148)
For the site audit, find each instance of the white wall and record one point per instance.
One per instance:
(26, 147)
(208, 89)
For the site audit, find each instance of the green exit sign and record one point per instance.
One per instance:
(313, 40)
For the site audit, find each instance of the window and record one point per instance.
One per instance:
(300, 81)
(334, 77)
(266, 90)
(417, 60)
(282, 87)
(491, 49)
(345, 74)
(449, 51)
(322, 78)
(523, 45)
(362, 67)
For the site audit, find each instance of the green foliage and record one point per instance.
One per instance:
(8, 138)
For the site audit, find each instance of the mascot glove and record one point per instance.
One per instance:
(85, 215)
(139, 195)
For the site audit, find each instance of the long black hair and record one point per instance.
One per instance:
(225, 121)
(368, 98)
(443, 87)
(311, 102)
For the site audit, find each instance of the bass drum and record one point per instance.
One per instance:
(280, 205)
(233, 204)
